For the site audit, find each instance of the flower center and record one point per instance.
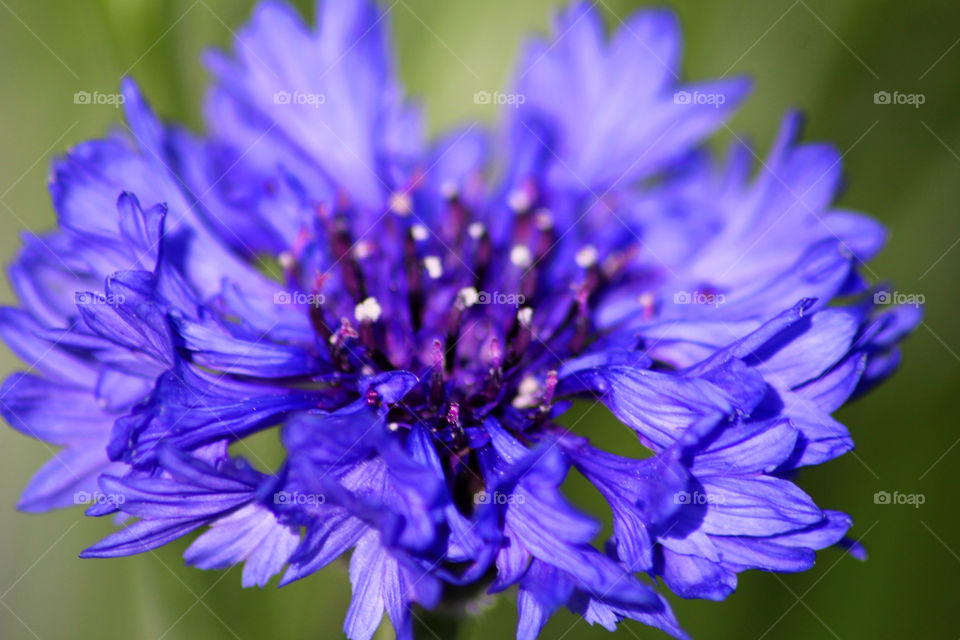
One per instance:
(482, 308)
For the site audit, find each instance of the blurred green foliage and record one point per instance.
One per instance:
(827, 57)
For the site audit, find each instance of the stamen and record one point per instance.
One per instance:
(436, 380)
(547, 238)
(548, 391)
(582, 324)
(520, 336)
(544, 219)
(352, 274)
(483, 252)
(449, 189)
(345, 332)
(457, 216)
(495, 380)
(496, 354)
(337, 343)
(367, 313)
(414, 291)
(464, 296)
(453, 414)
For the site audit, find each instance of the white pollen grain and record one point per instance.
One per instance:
(449, 189)
(419, 232)
(586, 257)
(519, 200)
(469, 296)
(433, 266)
(476, 230)
(369, 309)
(520, 256)
(362, 250)
(528, 393)
(401, 203)
(525, 315)
(544, 219)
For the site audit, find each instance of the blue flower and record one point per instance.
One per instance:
(415, 329)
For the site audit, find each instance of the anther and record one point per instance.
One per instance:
(520, 200)
(528, 392)
(401, 203)
(369, 309)
(586, 257)
(581, 324)
(433, 266)
(548, 391)
(419, 232)
(476, 230)
(453, 414)
(520, 256)
(468, 296)
(337, 342)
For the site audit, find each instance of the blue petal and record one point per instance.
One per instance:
(578, 79)
(696, 577)
(142, 536)
(69, 478)
(251, 534)
(338, 102)
(381, 583)
(755, 506)
(217, 350)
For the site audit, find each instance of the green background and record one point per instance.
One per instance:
(827, 57)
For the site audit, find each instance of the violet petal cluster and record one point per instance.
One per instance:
(413, 318)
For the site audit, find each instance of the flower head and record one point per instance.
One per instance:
(416, 329)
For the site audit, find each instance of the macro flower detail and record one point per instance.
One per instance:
(415, 329)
